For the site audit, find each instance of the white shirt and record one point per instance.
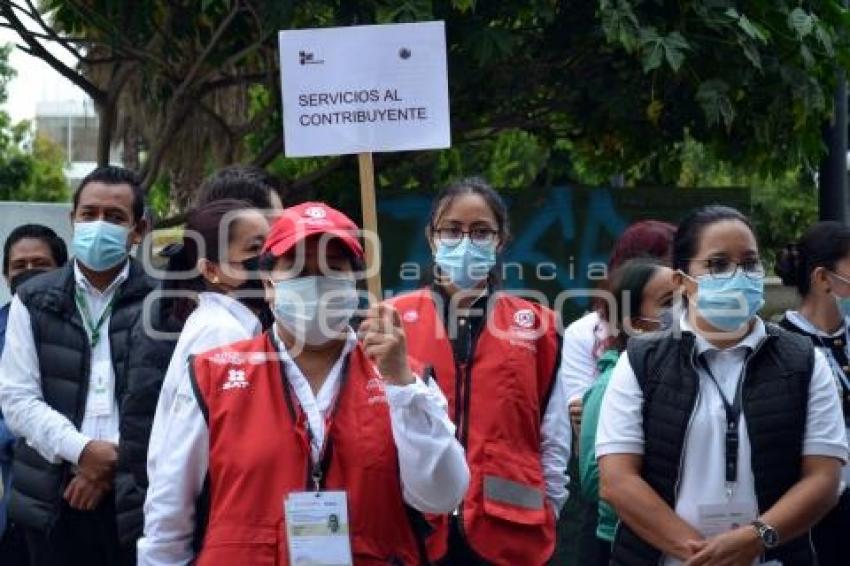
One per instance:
(434, 474)
(555, 443)
(702, 477)
(46, 430)
(218, 320)
(803, 324)
(584, 341)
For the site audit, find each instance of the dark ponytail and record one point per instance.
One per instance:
(201, 240)
(823, 245)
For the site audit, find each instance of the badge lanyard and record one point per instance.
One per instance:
(93, 328)
(316, 473)
(733, 418)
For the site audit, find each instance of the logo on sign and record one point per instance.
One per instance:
(524, 318)
(315, 212)
(309, 58)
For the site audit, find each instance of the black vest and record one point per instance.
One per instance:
(64, 359)
(149, 360)
(775, 403)
(836, 346)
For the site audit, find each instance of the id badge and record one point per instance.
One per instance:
(317, 531)
(100, 398)
(719, 518)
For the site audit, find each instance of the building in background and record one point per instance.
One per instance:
(72, 124)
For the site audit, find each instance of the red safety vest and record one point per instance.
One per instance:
(259, 452)
(498, 403)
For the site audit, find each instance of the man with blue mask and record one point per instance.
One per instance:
(326, 425)
(67, 374)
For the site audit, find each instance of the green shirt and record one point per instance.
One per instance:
(588, 467)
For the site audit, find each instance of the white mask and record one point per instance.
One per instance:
(315, 309)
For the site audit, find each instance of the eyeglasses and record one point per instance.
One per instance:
(721, 268)
(843, 278)
(480, 236)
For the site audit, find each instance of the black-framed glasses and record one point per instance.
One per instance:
(452, 236)
(722, 268)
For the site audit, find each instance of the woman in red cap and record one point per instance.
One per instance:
(317, 449)
(496, 358)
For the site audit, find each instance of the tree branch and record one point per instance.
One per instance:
(270, 152)
(36, 15)
(38, 50)
(216, 37)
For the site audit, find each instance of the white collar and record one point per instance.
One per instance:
(350, 342)
(86, 285)
(749, 342)
(801, 322)
(243, 315)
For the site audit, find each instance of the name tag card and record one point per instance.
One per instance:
(718, 518)
(100, 399)
(317, 528)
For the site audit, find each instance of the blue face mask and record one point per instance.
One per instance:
(465, 264)
(728, 304)
(100, 245)
(663, 322)
(843, 305)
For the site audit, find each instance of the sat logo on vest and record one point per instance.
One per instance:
(235, 380)
(410, 316)
(522, 332)
(524, 318)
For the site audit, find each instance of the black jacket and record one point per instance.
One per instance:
(153, 344)
(64, 358)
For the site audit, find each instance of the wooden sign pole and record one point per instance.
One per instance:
(370, 223)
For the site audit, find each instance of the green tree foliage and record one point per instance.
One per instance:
(30, 166)
(597, 88)
(783, 205)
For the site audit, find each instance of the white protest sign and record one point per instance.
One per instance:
(364, 89)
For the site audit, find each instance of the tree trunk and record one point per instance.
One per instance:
(107, 113)
(185, 181)
(130, 151)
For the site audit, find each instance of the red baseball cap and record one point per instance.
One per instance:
(308, 219)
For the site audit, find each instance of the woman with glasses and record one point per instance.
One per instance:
(496, 357)
(720, 442)
(819, 266)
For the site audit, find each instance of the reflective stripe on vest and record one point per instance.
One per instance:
(513, 493)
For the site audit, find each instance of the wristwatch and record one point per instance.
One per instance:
(768, 535)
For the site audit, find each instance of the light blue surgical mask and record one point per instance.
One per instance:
(843, 305)
(465, 264)
(729, 303)
(100, 245)
(315, 309)
(664, 321)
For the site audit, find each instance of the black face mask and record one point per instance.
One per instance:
(23, 277)
(251, 293)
